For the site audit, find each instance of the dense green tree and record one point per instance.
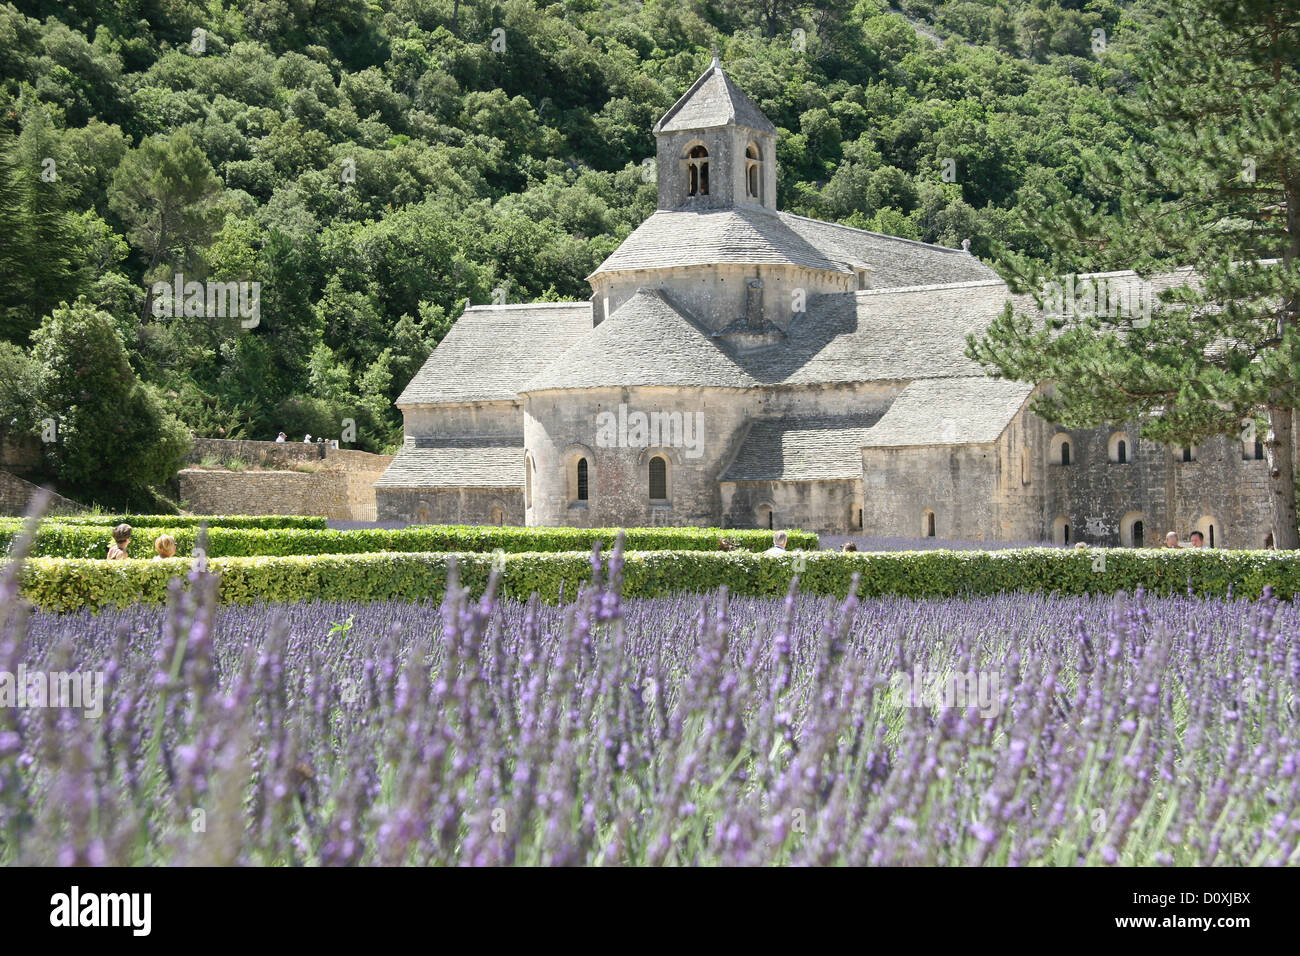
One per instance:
(165, 193)
(376, 163)
(113, 435)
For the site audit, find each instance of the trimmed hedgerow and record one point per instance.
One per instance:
(68, 584)
(58, 540)
(179, 521)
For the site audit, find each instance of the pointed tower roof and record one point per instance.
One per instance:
(713, 101)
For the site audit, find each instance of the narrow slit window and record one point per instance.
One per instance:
(658, 479)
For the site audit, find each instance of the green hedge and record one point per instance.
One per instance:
(58, 540)
(179, 521)
(67, 584)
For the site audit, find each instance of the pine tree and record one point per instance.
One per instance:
(1217, 188)
(15, 291)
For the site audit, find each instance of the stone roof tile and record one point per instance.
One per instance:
(649, 341)
(492, 350)
(466, 462)
(801, 449)
(890, 335)
(713, 101)
(949, 411)
(752, 235)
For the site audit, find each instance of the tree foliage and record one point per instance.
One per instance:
(375, 165)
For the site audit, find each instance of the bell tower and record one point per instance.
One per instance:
(716, 149)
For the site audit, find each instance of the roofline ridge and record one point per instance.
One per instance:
(969, 284)
(733, 90)
(473, 437)
(504, 306)
(681, 100)
(868, 232)
(1125, 273)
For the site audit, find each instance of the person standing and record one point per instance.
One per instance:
(1198, 539)
(1171, 540)
(778, 544)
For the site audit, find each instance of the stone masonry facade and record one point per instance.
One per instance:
(739, 366)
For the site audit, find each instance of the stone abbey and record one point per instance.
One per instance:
(801, 374)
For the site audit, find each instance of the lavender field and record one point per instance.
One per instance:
(668, 731)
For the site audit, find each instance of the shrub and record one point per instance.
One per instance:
(175, 521)
(64, 540)
(67, 584)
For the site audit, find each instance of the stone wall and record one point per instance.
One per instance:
(727, 165)
(265, 453)
(339, 487)
(1099, 499)
(902, 485)
(560, 428)
(19, 453)
(717, 295)
(472, 418)
(824, 507)
(16, 496)
(452, 505)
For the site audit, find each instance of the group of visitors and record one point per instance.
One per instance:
(164, 544)
(780, 539)
(281, 438)
(1197, 540)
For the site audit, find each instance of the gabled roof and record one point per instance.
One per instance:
(888, 335)
(671, 239)
(492, 350)
(713, 101)
(648, 341)
(753, 235)
(468, 462)
(801, 449)
(893, 261)
(949, 411)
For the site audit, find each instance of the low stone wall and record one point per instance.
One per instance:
(265, 453)
(16, 495)
(340, 487)
(20, 453)
(486, 506)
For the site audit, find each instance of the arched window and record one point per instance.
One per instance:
(582, 479)
(927, 524)
(498, 517)
(1120, 448)
(1121, 453)
(658, 478)
(1132, 530)
(1061, 530)
(1210, 530)
(422, 515)
(1060, 449)
(1189, 453)
(1259, 450)
(753, 172)
(763, 517)
(697, 171)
